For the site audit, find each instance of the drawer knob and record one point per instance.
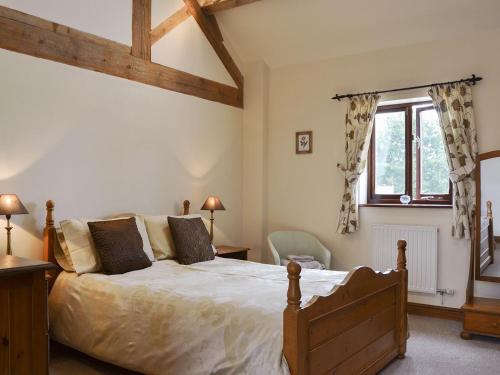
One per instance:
(5, 341)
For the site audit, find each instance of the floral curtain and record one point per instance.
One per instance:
(358, 125)
(453, 103)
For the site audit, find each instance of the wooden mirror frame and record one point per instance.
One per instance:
(477, 240)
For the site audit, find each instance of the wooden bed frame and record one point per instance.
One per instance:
(358, 328)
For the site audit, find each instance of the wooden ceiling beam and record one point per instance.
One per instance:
(208, 29)
(214, 6)
(30, 35)
(215, 27)
(169, 24)
(141, 29)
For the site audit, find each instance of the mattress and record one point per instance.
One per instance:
(217, 317)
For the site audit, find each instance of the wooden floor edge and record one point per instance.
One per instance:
(442, 312)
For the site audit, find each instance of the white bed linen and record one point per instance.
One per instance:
(217, 317)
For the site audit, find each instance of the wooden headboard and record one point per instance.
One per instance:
(50, 236)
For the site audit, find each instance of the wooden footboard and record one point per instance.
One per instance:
(357, 329)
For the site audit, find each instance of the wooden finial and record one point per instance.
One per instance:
(489, 210)
(186, 204)
(401, 255)
(49, 219)
(49, 233)
(294, 293)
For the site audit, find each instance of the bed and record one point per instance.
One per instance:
(232, 317)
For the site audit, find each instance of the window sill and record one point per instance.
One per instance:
(416, 205)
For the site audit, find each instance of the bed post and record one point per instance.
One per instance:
(294, 293)
(186, 205)
(294, 345)
(49, 238)
(403, 322)
(48, 233)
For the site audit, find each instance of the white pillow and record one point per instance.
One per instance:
(61, 252)
(146, 245)
(160, 235)
(81, 246)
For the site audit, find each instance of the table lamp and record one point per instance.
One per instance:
(10, 205)
(212, 204)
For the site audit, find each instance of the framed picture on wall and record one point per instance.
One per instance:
(304, 142)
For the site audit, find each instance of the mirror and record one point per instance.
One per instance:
(488, 217)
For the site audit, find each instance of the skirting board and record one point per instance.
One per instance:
(442, 312)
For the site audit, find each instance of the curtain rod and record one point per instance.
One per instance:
(472, 79)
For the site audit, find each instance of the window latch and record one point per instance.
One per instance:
(418, 141)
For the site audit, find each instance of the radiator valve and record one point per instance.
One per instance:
(442, 292)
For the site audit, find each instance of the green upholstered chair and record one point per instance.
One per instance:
(284, 243)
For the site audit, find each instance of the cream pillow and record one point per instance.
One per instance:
(61, 252)
(81, 247)
(160, 236)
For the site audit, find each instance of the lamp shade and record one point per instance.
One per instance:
(11, 205)
(213, 204)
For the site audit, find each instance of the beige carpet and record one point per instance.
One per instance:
(434, 348)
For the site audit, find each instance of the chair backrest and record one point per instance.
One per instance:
(297, 243)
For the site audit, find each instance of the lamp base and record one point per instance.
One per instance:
(8, 228)
(211, 226)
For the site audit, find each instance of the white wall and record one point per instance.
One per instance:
(490, 190)
(255, 135)
(98, 144)
(304, 191)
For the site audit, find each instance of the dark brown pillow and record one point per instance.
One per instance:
(119, 245)
(192, 243)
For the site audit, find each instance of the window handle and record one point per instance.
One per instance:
(418, 142)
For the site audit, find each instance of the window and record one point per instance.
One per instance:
(407, 156)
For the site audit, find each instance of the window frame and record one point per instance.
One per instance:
(393, 199)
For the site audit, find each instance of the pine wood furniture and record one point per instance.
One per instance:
(359, 327)
(485, 242)
(481, 315)
(233, 252)
(23, 316)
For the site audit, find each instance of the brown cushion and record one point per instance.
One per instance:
(192, 243)
(119, 245)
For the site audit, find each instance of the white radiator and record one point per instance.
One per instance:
(421, 253)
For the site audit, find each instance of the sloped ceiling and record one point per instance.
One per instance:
(284, 32)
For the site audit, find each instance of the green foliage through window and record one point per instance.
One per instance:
(408, 134)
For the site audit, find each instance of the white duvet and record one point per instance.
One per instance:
(218, 317)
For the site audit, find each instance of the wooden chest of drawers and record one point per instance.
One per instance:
(23, 316)
(481, 316)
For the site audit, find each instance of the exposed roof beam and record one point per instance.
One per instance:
(141, 28)
(206, 26)
(30, 35)
(170, 23)
(215, 27)
(213, 6)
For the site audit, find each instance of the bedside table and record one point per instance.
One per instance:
(233, 252)
(23, 316)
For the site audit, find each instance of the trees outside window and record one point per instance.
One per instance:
(407, 156)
